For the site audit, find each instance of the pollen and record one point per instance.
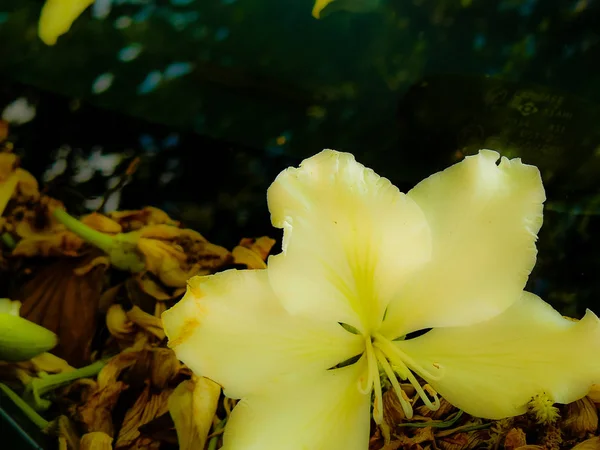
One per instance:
(542, 407)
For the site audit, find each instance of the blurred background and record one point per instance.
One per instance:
(217, 96)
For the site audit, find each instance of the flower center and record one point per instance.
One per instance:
(381, 353)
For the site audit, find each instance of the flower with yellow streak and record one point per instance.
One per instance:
(302, 343)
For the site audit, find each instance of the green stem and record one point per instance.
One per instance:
(38, 387)
(433, 423)
(121, 249)
(48, 383)
(102, 241)
(8, 240)
(212, 444)
(37, 420)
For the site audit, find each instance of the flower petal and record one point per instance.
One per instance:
(230, 328)
(484, 219)
(492, 369)
(325, 411)
(350, 240)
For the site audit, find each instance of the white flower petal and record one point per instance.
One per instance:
(230, 328)
(322, 412)
(350, 240)
(484, 219)
(492, 369)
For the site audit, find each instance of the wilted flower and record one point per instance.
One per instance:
(170, 253)
(362, 267)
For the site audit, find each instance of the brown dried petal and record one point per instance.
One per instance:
(45, 362)
(101, 223)
(108, 298)
(119, 324)
(96, 440)
(442, 413)
(515, 438)
(148, 322)
(66, 304)
(152, 288)
(261, 246)
(50, 243)
(421, 435)
(192, 406)
(458, 441)
(165, 261)
(392, 410)
(8, 164)
(96, 413)
(251, 259)
(165, 367)
(581, 417)
(64, 429)
(590, 444)
(97, 261)
(136, 219)
(111, 372)
(531, 447)
(147, 407)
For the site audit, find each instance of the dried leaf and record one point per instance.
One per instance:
(192, 406)
(515, 438)
(96, 440)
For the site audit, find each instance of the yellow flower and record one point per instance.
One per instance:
(364, 265)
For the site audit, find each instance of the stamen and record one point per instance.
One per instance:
(370, 377)
(397, 358)
(406, 407)
(387, 347)
(432, 406)
(373, 378)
